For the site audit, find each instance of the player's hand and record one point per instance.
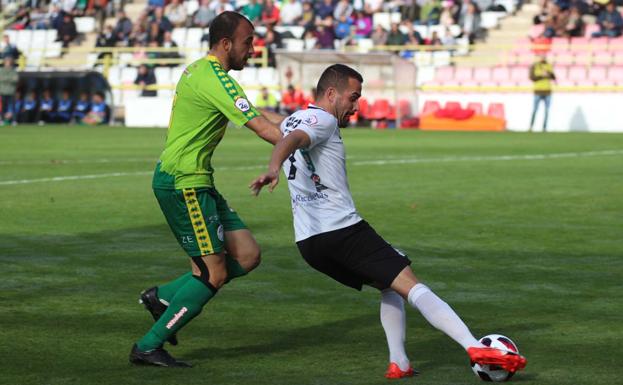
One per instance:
(270, 178)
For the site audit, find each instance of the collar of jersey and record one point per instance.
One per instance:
(315, 107)
(213, 58)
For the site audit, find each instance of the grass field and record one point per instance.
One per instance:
(527, 246)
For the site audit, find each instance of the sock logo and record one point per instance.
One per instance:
(177, 317)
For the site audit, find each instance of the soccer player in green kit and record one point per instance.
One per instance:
(212, 234)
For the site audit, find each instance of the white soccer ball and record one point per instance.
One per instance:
(494, 373)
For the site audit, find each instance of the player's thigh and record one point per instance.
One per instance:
(239, 242)
(193, 218)
(241, 246)
(317, 252)
(367, 254)
(210, 269)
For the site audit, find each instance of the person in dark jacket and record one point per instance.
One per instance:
(64, 109)
(67, 30)
(30, 109)
(47, 108)
(144, 79)
(82, 108)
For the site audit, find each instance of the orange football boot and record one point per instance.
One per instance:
(394, 372)
(509, 361)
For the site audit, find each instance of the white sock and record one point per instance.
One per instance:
(394, 323)
(440, 315)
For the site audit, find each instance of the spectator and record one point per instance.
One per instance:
(308, 16)
(272, 40)
(139, 35)
(575, 24)
(291, 100)
(556, 22)
(30, 108)
(64, 109)
(363, 24)
(204, 15)
(342, 27)
(430, 13)
(154, 33)
(270, 13)
(106, 38)
(220, 6)
(325, 34)
(46, 108)
(434, 40)
(410, 11)
(176, 13)
(99, 12)
(379, 36)
(8, 85)
(395, 36)
(123, 29)
(542, 75)
(610, 22)
(152, 4)
(173, 53)
(470, 23)
(446, 18)
(413, 37)
(343, 8)
(291, 12)
(253, 11)
(144, 79)
(373, 6)
(163, 22)
(324, 9)
(448, 40)
(9, 49)
(82, 108)
(99, 112)
(67, 30)
(266, 100)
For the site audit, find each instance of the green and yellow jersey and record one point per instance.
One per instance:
(206, 99)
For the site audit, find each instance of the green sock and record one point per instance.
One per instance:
(185, 305)
(168, 290)
(234, 270)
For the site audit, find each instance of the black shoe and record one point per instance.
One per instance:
(149, 299)
(156, 357)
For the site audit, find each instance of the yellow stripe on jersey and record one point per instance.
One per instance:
(199, 225)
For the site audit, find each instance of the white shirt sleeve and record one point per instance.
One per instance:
(318, 125)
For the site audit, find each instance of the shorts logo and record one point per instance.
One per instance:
(242, 104)
(220, 233)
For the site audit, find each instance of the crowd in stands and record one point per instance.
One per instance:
(566, 18)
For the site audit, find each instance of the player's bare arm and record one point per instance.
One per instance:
(265, 129)
(286, 146)
(272, 116)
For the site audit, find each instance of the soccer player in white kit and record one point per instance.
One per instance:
(336, 241)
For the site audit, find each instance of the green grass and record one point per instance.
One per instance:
(528, 248)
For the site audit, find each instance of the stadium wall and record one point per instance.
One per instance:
(590, 112)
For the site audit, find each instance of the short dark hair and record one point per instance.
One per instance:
(224, 25)
(336, 76)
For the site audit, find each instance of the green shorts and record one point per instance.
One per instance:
(199, 218)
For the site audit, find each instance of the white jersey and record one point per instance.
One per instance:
(319, 191)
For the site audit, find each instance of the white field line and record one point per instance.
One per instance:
(75, 161)
(379, 162)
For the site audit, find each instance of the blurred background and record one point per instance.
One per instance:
(492, 65)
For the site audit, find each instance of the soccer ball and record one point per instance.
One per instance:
(494, 373)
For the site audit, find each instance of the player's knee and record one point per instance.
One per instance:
(218, 277)
(254, 259)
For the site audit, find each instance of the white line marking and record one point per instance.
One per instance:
(76, 161)
(379, 162)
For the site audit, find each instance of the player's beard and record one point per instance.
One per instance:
(237, 64)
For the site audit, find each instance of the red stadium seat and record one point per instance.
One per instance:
(364, 108)
(496, 110)
(476, 107)
(602, 57)
(500, 74)
(560, 44)
(453, 106)
(597, 75)
(537, 30)
(616, 44)
(444, 75)
(520, 74)
(560, 72)
(576, 73)
(564, 58)
(404, 107)
(380, 109)
(617, 57)
(430, 107)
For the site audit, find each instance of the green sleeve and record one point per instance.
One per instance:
(229, 98)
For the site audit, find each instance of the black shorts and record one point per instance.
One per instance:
(354, 256)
